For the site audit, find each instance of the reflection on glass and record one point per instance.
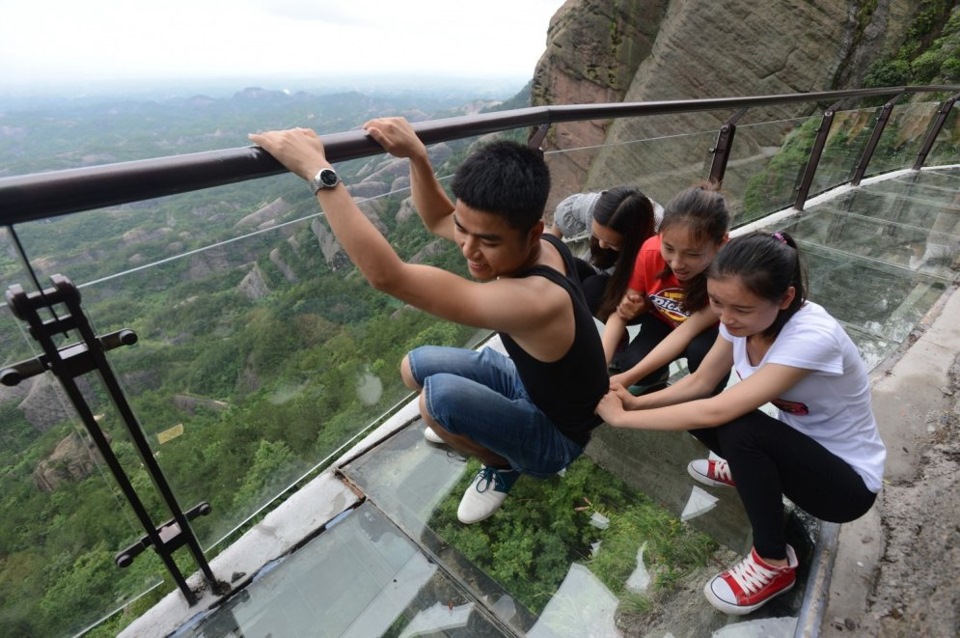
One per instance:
(946, 149)
(846, 141)
(587, 531)
(902, 137)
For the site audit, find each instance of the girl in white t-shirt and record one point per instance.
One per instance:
(823, 452)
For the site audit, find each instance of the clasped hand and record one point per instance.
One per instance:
(630, 306)
(614, 404)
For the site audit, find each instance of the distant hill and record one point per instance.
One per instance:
(39, 135)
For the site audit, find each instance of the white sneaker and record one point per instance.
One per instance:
(431, 436)
(485, 494)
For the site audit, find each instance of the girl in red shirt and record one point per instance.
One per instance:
(667, 292)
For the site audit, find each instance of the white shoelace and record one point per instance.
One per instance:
(750, 575)
(722, 470)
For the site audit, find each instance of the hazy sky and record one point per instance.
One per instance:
(88, 40)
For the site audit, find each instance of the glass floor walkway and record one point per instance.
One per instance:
(622, 543)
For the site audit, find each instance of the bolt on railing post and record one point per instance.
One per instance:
(721, 149)
(934, 131)
(882, 118)
(813, 161)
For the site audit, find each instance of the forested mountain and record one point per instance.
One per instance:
(261, 351)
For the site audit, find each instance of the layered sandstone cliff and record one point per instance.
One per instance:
(654, 50)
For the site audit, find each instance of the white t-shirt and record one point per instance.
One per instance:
(832, 404)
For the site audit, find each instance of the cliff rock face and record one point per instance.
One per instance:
(254, 285)
(654, 50)
(594, 48)
(44, 405)
(266, 216)
(277, 259)
(72, 460)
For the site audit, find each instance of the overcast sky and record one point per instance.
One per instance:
(53, 41)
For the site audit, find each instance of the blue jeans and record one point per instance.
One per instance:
(478, 394)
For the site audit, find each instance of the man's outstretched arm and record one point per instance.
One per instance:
(397, 137)
(506, 305)
(301, 152)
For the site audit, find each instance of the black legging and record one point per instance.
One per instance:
(769, 459)
(594, 284)
(652, 332)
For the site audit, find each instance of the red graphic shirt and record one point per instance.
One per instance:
(665, 293)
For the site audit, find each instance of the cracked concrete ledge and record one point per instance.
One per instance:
(907, 392)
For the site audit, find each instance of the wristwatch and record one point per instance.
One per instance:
(325, 178)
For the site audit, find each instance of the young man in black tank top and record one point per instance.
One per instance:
(529, 413)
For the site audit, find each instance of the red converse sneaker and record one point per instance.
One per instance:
(750, 583)
(711, 472)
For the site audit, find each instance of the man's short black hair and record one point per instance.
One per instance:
(505, 178)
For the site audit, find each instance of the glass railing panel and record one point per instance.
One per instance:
(846, 141)
(660, 167)
(767, 161)
(62, 516)
(946, 148)
(902, 137)
(891, 298)
(261, 351)
(873, 349)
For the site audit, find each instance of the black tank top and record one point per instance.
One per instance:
(567, 390)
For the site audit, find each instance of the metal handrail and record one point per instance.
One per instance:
(42, 195)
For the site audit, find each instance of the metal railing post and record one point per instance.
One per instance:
(721, 150)
(882, 118)
(537, 137)
(806, 180)
(934, 131)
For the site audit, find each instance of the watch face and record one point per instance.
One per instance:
(328, 178)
